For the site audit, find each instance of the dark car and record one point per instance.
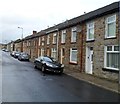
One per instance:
(23, 56)
(46, 63)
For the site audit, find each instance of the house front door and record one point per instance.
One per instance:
(89, 60)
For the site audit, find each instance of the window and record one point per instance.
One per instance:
(54, 38)
(42, 43)
(63, 36)
(73, 55)
(74, 34)
(90, 31)
(43, 38)
(39, 41)
(110, 27)
(48, 39)
(111, 57)
(34, 43)
(53, 53)
(27, 43)
(42, 51)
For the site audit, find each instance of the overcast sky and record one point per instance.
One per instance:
(39, 14)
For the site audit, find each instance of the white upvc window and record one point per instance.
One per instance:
(54, 38)
(43, 44)
(48, 39)
(90, 31)
(27, 43)
(39, 41)
(73, 55)
(74, 34)
(54, 53)
(110, 27)
(111, 57)
(43, 38)
(34, 42)
(42, 51)
(63, 36)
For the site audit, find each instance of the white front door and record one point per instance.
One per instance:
(89, 60)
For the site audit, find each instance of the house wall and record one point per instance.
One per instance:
(79, 44)
(98, 48)
(18, 46)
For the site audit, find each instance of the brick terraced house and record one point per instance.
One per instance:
(88, 43)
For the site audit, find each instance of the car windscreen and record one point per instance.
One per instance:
(47, 59)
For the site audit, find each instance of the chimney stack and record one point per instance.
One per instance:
(34, 32)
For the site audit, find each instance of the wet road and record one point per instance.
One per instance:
(22, 83)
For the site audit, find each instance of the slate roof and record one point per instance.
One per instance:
(112, 8)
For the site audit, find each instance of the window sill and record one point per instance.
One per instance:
(110, 38)
(54, 43)
(73, 63)
(62, 43)
(90, 40)
(110, 70)
(73, 42)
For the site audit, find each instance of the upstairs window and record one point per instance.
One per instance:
(54, 38)
(110, 27)
(63, 36)
(74, 34)
(90, 31)
(43, 38)
(48, 39)
(39, 41)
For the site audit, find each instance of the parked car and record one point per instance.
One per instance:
(12, 53)
(6, 50)
(17, 53)
(46, 63)
(23, 56)
(3, 49)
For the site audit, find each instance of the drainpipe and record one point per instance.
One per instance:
(57, 42)
(81, 55)
(119, 43)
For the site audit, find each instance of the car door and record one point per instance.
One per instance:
(39, 62)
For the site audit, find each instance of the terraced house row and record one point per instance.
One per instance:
(88, 43)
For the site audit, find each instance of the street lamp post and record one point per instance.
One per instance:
(21, 39)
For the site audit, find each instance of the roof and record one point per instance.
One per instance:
(42, 32)
(111, 8)
(17, 41)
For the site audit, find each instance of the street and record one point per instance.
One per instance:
(22, 83)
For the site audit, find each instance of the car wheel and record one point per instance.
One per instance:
(35, 66)
(61, 72)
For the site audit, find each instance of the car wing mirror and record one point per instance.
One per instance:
(41, 60)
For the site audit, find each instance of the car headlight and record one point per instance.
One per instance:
(62, 65)
(49, 65)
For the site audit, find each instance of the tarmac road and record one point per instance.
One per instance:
(22, 83)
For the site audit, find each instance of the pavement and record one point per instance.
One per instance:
(100, 82)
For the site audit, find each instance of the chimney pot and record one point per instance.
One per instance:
(34, 32)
